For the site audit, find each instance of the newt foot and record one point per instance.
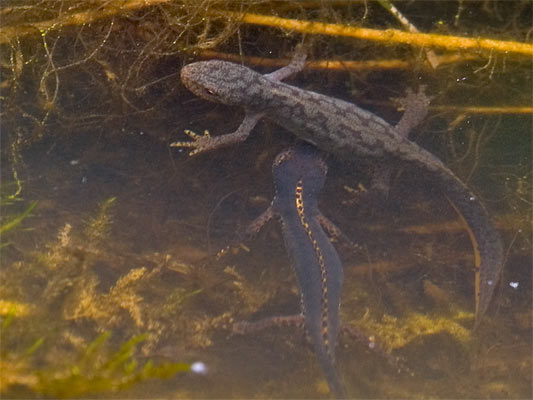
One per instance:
(199, 143)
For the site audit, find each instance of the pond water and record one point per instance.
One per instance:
(111, 286)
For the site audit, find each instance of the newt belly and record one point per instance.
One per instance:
(299, 174)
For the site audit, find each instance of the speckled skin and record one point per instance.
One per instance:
(347, 131)
(299, 175)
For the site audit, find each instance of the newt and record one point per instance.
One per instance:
(299, 175)
(347, 131)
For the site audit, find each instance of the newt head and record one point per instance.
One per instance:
(299, 164)
(222, 82)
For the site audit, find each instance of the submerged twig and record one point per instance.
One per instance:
(345, 65)
(430, 55)
(387, 35)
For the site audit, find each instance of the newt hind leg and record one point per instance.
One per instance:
(296, 65)
(347, 331)
(244, 327)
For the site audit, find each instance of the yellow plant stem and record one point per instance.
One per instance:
(343, 65)
(387, 35)
(485, 110)
(109, 9)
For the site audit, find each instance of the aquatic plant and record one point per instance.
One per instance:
(14, 221)
(45, 346)
(96, 369)
(10, 219)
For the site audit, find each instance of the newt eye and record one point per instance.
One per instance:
(210, 92)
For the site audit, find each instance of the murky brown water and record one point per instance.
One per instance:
(123, 237)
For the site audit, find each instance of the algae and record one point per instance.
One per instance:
(70, 303)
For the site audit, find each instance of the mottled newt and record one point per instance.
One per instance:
(299, 175)
(345, 130)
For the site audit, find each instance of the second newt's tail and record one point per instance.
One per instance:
(330, 372)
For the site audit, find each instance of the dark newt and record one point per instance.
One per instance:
(299, 175)
(347, 131)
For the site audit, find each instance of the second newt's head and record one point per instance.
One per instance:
(299, 166)
(223, 82)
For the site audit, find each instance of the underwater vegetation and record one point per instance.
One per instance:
(40, 355)
(16, 220)
(54, 302)
(9, 219)
(96, 369)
